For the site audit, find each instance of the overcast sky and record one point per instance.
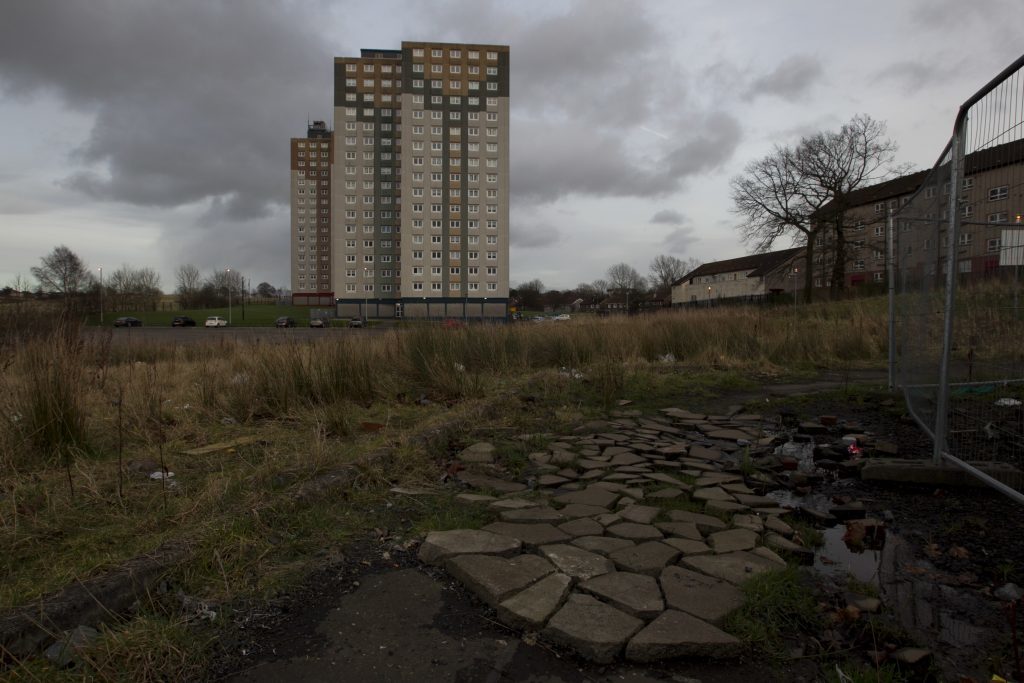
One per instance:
(156, 133)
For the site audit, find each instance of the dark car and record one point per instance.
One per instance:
(183, 321)
(284, 321)
(127, 321)
(355, 322)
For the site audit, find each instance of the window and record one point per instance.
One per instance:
(929, 192)
(435, 286)
(492, 256)
(967, 211)
(417, 286)
(1000, 217)
(993, 244)
(492, 56)
(492, 286)
(436, 53)
(879, 231)
(997, 193)
(964, 266)
(417, 52)
(878, 276)
(435, 255)
(350, 67)
(964, 239)
(472, 256)
(435, 271)
(417, 255)
(879, 207)
(967, 183)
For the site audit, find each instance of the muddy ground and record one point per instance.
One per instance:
(376, 614)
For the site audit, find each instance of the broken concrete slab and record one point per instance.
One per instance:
(634, 594)
(486, 483)
(583, 526)
(592, 495)
(440, 545)
(706, 523)
(702, 596)
(531, 608)
(687, 546)
(647, 558)
(634, 532)
(576, 562)
(677, 634)
(529, 534)
(712, 493)
(495, 579)
(577, 510)
(596, 631)
(732, 540)
(641, 514)
(603, 545)
(734, 567)
(533, 515)
(682, 529)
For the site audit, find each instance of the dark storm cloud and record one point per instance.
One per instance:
(791, 79)
(668, 217)
(193, 100)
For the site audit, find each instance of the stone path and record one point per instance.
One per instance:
(602, 548)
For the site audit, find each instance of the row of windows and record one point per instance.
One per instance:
(455, 192)
(455, 85)
(995, 194)
(302, 145)
(455, 53)
(471, 69)
(311, 155)
(417, 255)
(454, 286)
(418, 114)
(455, 239)
(455, 208)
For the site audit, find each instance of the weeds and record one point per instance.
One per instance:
(775, 604)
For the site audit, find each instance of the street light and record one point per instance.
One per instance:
(101, 294)
(228, 271)
(366, 295)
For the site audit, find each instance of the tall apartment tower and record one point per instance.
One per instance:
(419, 182)
(311, 231)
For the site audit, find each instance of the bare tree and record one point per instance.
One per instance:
(189, 282)
(624, 277)
(62, 272)
(600, 286)
(666, 269)
(529, 294)
(836, 164)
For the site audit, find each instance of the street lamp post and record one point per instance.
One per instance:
(228, 272)
(366, 296)
(101, 294)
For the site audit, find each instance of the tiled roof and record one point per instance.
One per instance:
(758, 264)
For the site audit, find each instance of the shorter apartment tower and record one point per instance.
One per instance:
(312, 273)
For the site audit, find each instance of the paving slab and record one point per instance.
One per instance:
(687, 546)
(534, 515)
(682, 529)
(641, 514)
(584, 526)
(732, 540)
(705, 597)
(634, 594)
(552, 480)
(577, 510)
(591, 495)
(514, 504)
(607, 519)
(440, 545)
(666, 494)
(627, 458)
(780, 543)
(602, 545)
(531, 608)
(529, 534)
(482, 481)
(663, 478)
(596, 631)
(731, 435)
(677, 634)
(495, 579)
(724, 507)
(734, 567)
(475, 498)
(755, 500)
(770, 555)
(576, 562)
(712, 493)
(646, 558)
(482, 452)
(705, 453)
(706, 523)
(591, 464)
(634, 531)
(773, 523)
(751, 522)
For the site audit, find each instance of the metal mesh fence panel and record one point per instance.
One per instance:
(959, 350)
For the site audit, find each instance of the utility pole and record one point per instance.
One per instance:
(228, 272)
(101, 295)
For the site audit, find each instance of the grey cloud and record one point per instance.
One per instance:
(668, 217)
(718, 135)
(680, 240)
(912, 75)
(791, 79)
(192, 100)
(533, 235)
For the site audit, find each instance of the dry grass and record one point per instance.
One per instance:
(70, 407)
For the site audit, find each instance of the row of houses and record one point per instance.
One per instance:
(990, 201)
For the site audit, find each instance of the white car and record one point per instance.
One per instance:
(216, 321)
(563, 316)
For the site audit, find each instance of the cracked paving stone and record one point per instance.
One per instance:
(641, 514)
(688, 546)
(495, 579)
(581, 527)
(734, 567)
(595, 630)
(634, 532)
(537, 515)
(591, 495)
(732, 540)
(647, 558)
(531, 608)
(576, 562)
(441, 545)
(602, 545)
(634, 594)
(702, 596)
(677, 634)
(683, 529)
(529, 534)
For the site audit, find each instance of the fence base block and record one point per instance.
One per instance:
(898, 471)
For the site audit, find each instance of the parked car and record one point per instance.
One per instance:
(127, 321)
(284, 321)
(562, 316)
(216, 321)
(322, 323)
(356, 322)
(183, 321)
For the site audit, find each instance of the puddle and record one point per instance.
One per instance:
(836, 558)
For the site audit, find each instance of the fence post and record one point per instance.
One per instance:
(942, 397)
(890, 224)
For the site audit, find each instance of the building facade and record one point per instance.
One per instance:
(747, 278)
(990, 203)
(418, 182)
(311, 227)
